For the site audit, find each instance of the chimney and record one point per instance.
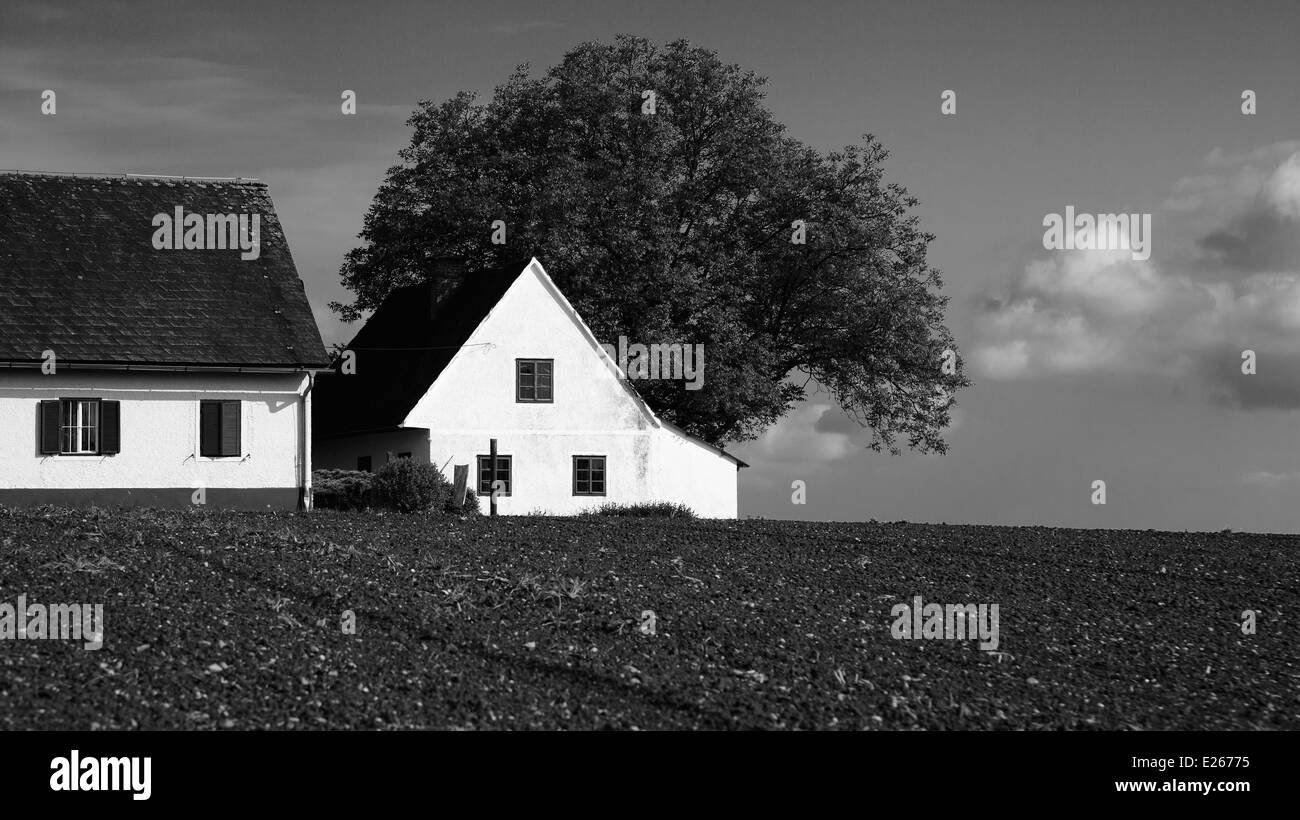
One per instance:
(446, 274)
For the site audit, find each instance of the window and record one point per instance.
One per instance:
(588, 475)
(504, 473)
(363, 464)
(80, 427)
(404, 455)
(219, 433)
(533, 382)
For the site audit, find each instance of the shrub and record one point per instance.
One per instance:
(649, 509)
(342, 489)
(470, 507)
(408, 486)
(401, 485)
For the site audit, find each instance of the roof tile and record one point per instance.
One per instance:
(79, 275)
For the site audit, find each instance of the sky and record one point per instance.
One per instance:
(1087, 365)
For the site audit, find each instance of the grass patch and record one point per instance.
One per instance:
(650, 509)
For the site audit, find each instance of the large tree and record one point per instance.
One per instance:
(678, 226)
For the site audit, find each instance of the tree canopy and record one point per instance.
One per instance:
(674, 218)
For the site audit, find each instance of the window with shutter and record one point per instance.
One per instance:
(219, 429)
(80, 427)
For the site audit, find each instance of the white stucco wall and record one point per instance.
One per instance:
(592, 414)
(159, 430)
(542, 464)
(683, 468)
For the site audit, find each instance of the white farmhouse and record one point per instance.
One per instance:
(504, 356)
(134, 374)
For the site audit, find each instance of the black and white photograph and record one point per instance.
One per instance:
(378, 376)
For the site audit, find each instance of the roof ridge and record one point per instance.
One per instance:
(125, 175)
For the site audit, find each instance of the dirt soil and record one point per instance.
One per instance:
(224, 620)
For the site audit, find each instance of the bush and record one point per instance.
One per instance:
(649, 509)
(470, 507)
(342, 489)
(409, 486)
(402, 485)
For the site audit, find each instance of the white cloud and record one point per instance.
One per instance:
(794, 440)
(1283, 188)
(1266, 479)
(1186, 312)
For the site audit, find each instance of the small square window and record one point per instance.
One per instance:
(588, 475)
(534, 380)
(504, 473)
(363, 464)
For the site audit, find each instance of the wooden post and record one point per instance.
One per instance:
(492, 481)
(461, 473)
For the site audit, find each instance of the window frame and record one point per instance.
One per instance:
(604, 476)
(519, 386)
(486, 490)
(94, 429)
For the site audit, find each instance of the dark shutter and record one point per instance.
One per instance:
(209, 428)
(110, 433)
(230, 444)
(49, 412)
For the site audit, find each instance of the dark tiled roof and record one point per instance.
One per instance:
(402, 349)
(79, 275)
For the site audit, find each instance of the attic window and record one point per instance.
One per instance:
(533, 380)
